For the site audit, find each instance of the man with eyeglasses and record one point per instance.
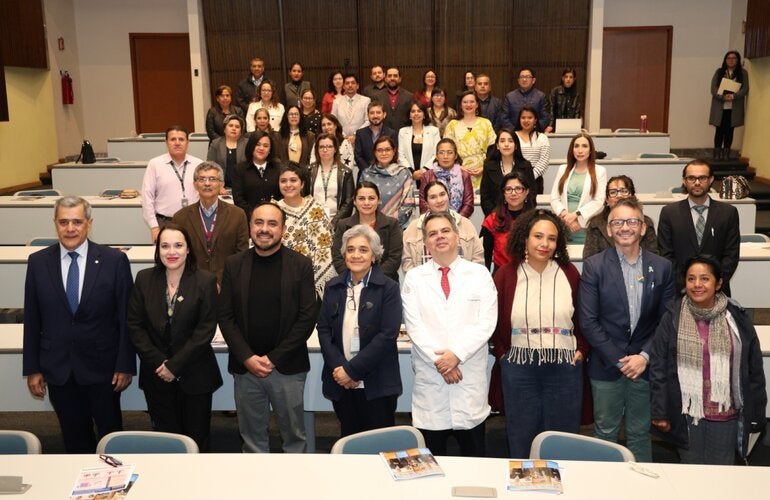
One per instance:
(525, 95)
(624, 292)
(217, 228)
(76, 346)
(700, 225)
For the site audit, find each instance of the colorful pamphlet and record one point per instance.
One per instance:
(534, 475)
(411, 464)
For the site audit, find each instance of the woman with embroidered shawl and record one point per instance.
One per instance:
(538, 347)
(393, 180)
(706, 379)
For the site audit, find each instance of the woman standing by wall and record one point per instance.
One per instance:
(728, 107)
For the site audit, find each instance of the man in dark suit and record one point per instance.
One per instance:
(489, 105)
(75, 338)
(267, 311)
(700, 225)
(624, 292)
(396, 100)
(217, 228)
(365, 137)
(247, 88)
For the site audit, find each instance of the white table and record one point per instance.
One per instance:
(116, 221)
(145, 148)
(616, 145)
(340, 477)
(653, 204)
(13, 269)
(78, 179)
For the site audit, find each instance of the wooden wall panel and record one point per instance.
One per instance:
(450, 36)
(757, 42)
(22, 34)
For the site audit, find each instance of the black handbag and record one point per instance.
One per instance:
(86, 153)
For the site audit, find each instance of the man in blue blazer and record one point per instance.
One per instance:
(623, 294)
(75, 338)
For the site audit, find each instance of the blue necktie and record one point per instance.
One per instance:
(73, 282)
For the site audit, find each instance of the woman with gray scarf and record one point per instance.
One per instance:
(706, 378)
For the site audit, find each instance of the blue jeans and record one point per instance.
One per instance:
(539, 398)
(615, 398)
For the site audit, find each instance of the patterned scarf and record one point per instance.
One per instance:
(453, 180)
(689, 357)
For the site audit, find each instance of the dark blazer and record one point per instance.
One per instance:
(364, 145)
(721, 238)
(467, 205)
(93, 343)
(379, 321)
(218, 153)
(391, 237)
(603, 310)
(398, 116)
(282, 148)
(345, 189)
(291, 92)
(491, 109)
(666, 391)
(249, 188)
(299, 311)
(185, 343)
(215, 126)
(231, 235)
(491, 180)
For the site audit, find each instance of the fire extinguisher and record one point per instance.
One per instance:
(67, 95)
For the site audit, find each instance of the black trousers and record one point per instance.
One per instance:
(356, 414)
(723, 136)
(171, 410)
(471, 441)
(80, 407)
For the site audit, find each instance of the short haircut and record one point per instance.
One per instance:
(367, 232)
(375, 104)
(630, 202)
(72, 202)
(438, 215)
(209, 165)
(177, 128)
(527, 68)
(272, 204)
(697, 161)
(294, 168)
(190, 262)
(345, 76)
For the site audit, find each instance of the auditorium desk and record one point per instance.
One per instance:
(340, 477)
(78, 179)
(649, 175)
(145, 148)
(615, 145)
(13, 269)
(116, 221)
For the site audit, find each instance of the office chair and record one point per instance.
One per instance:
(146, 442)
(400, 437)
(755, 238)
(19, 443)
(555, 445)
(38, 192)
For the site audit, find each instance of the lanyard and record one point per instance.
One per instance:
(180, 177)
(325, 180)
(208, 233)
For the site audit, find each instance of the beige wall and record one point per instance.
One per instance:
(28, 141)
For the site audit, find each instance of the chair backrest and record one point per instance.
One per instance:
(627, 130)
(146, 442)
(19, 443)
(199, 135)
(642, 156)
(554, 445)
(42, 241)
(152, 135)
(755, 238)
(38, 192)
(400, 437)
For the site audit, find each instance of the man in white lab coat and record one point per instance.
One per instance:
(450, 311)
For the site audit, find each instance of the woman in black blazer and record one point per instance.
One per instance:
(502, 160)
(357, 329)
(172, 317)
(294, 142)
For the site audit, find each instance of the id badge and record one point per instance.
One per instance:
(185, 202)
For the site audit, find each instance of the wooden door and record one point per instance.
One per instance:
(636, 77)
(160, 66)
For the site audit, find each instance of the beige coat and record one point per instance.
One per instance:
(471, 247)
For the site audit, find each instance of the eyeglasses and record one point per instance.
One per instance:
(327, 146)
(692, 179)
(293, 115)
(208, 179)
(110, 460)
(351, 302)
(525, 77)
(445, 152)
(615, 192)
(383, 150)
(514, 189)
(618, 223)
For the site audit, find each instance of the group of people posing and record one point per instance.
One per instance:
(649, 321)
